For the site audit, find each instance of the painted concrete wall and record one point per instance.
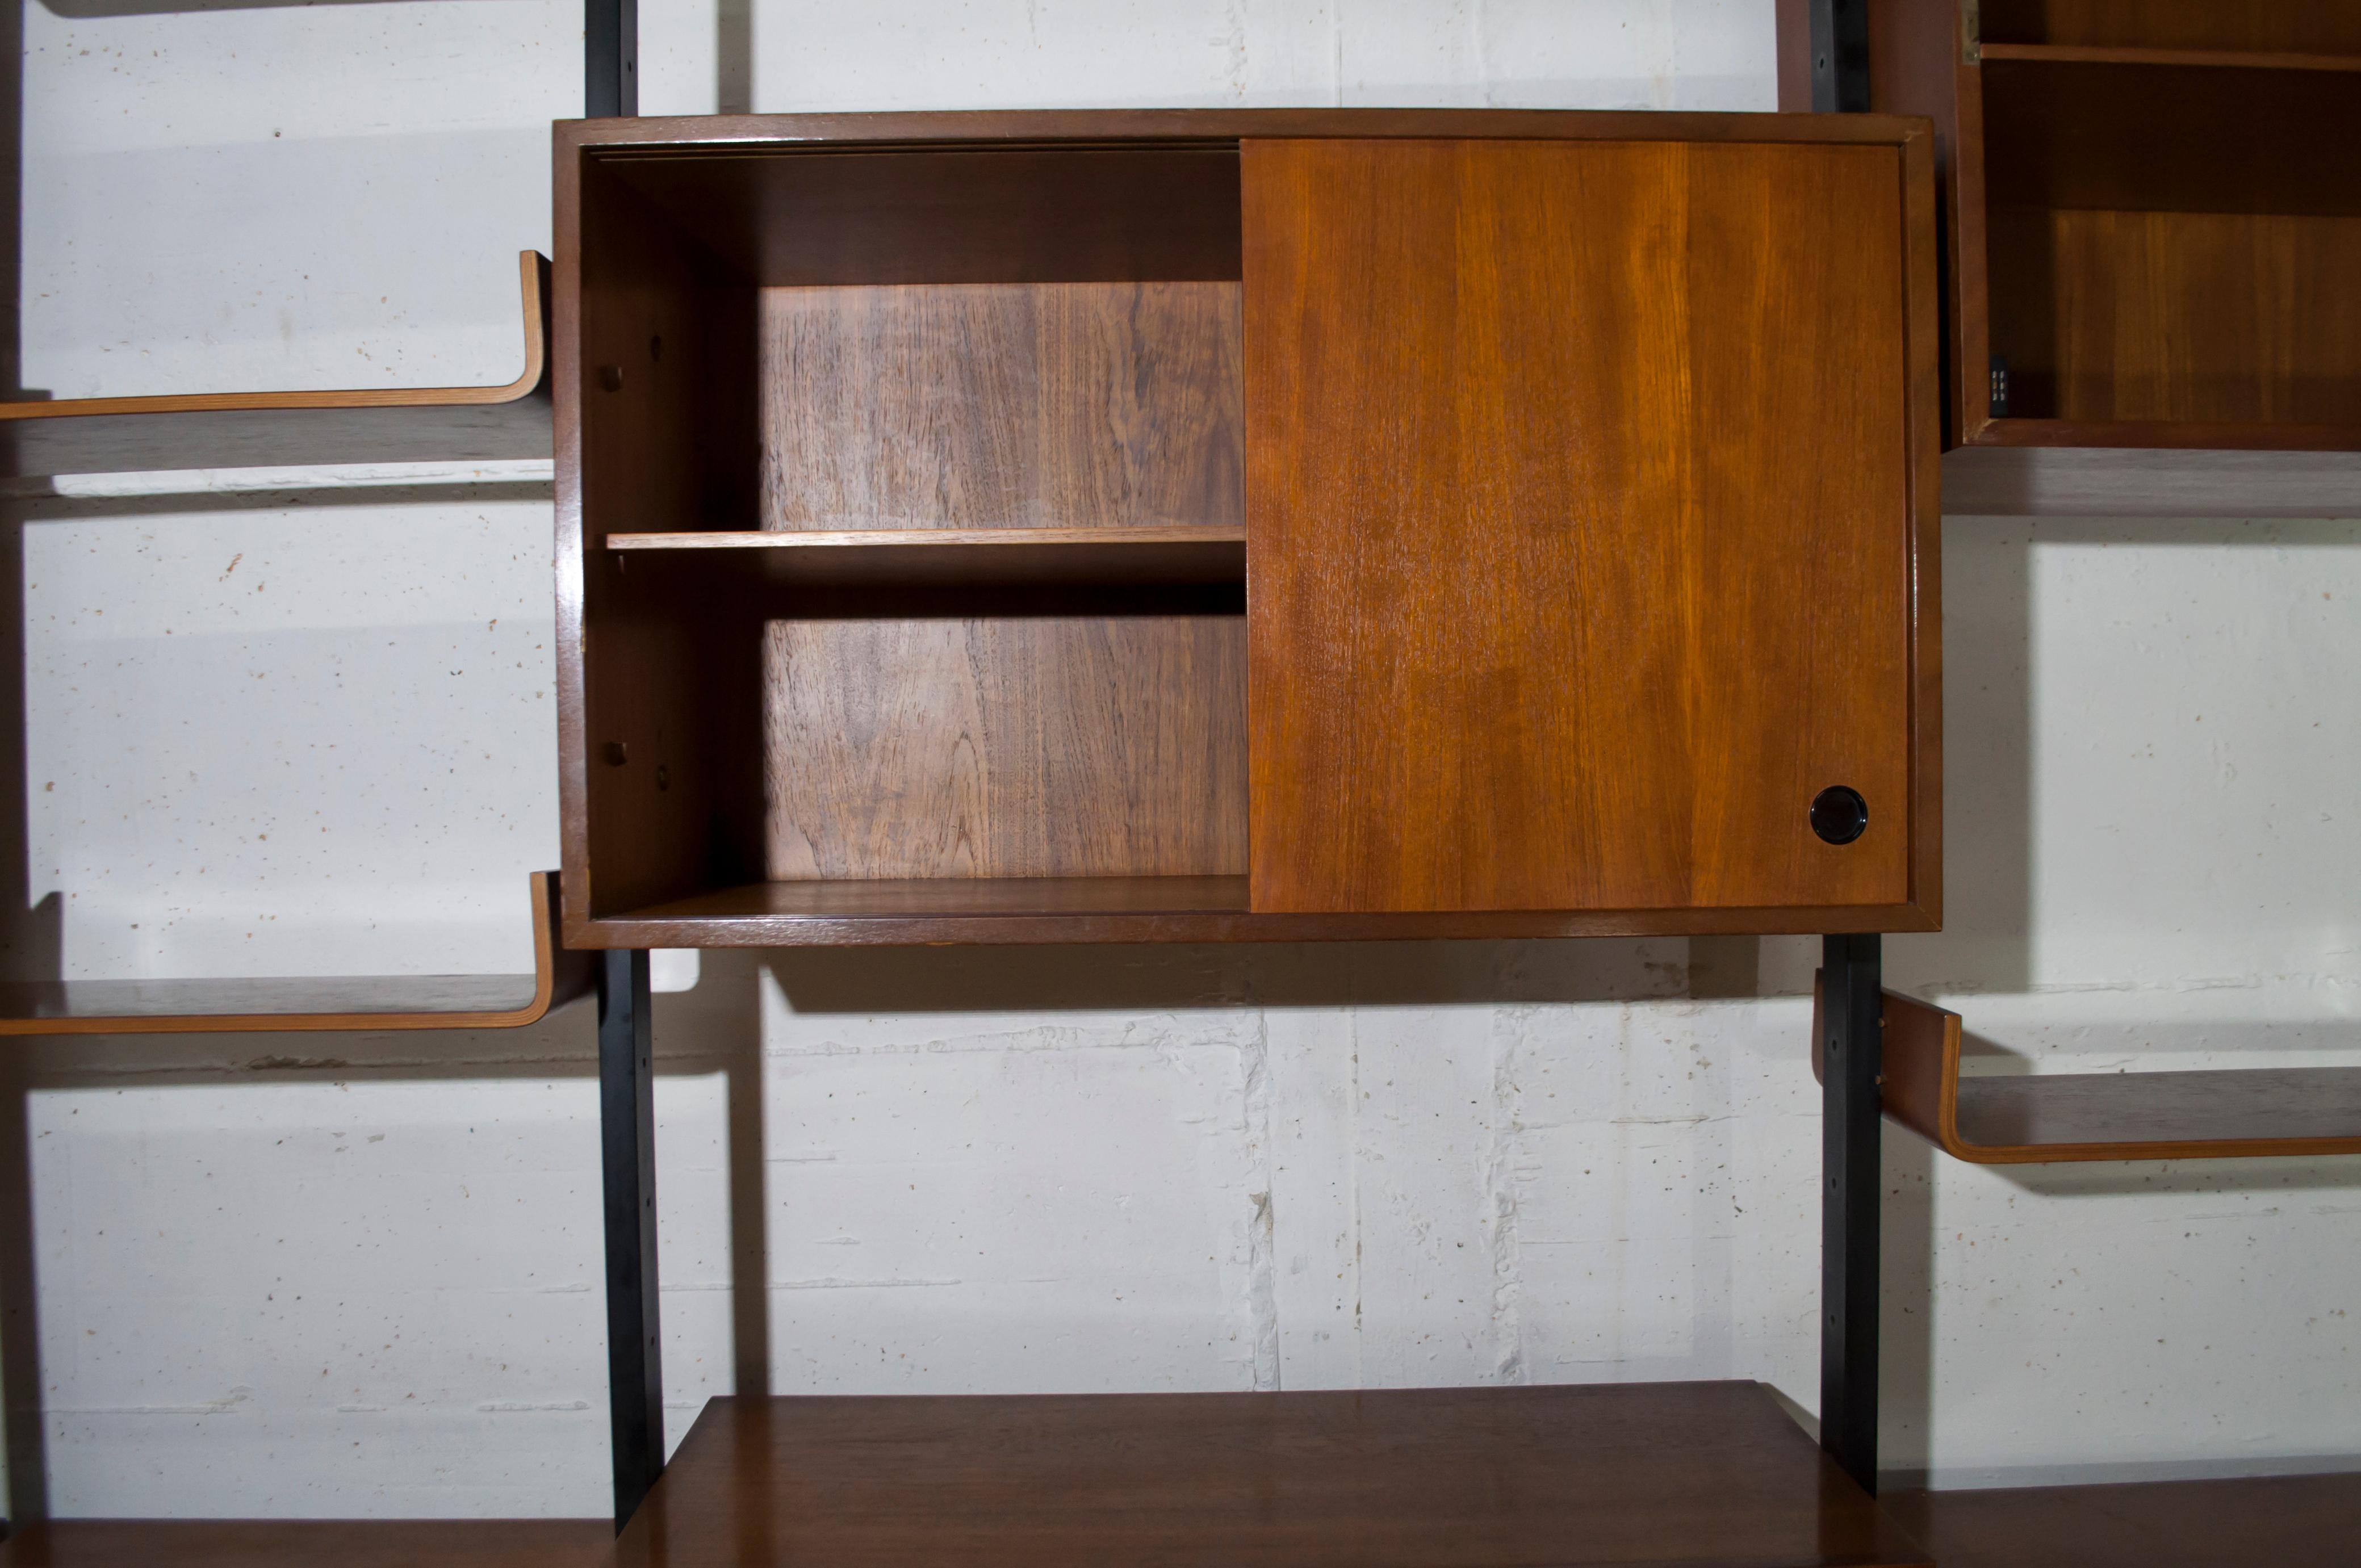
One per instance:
(309, 731)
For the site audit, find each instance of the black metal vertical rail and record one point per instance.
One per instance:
(1852, 1041)
(1840, 38)
(611, 58)
(627, 1122)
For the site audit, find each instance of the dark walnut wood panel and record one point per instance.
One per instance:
(2049, 479)
(259, 1006)
(2087, 55)
(1147, 553)
(2170, 138)
(1011, 910)
(2300, 26)
(947, 213)
(2060, 1118)
(1044, 746)
(1694, 1474)
(231, 430)
(2175, 317)
(307, 1544)
(1001, 405)
(1575, 571)
(2286, 1522)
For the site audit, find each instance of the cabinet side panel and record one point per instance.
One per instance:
(1578, 537)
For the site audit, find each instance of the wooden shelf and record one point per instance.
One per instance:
(1696, 1473)
(304, 1543)
(1167, 554)
(232, 430)
(2287, 1521)
(2248, 60)
(244, 1006)
(888, 912)
(2056, 480)
(2057, 1118)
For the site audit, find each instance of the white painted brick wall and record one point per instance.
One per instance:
(368, 1285)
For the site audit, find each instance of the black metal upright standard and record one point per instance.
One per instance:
(1851, 1042)
(1840, 38)
(611, 58)
(627, 1122)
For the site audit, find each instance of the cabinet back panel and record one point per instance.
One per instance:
(1001, 405)
(1579, 528)
(2236, 318)
(1025, 746)
(2295, 27)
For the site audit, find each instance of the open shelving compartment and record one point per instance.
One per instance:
(2151, 222)
(912, 536)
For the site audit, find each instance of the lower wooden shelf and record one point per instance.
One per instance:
(2052, 1118)
(307, 1544)
(1176, 554)
(2285, 1521)
(1694, 1474)
(247, 430)
(242, 1006)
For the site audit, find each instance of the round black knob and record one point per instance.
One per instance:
(1839, 814)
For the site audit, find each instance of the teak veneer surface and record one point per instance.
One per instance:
(2058, 1118)
(245, 1006)
(309, 1544)
(228, 429)
(2281, 1521)
(1001, 405)
(1688, 1474)
(1032, 746)
(1580, 546)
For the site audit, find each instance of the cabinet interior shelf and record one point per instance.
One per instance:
(249, 430)
(2057, 1118)
(242, 1006)
(1174, 553)
(2248, 60)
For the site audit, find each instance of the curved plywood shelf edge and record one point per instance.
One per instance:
(221, 429)
(252, 1006)
(2063, 1118)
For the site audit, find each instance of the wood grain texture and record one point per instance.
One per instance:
(1046, 746)
(901, 913)
(2063, 1118)
(2286, 1522)
(228, 429)
(2154, 435)
(2180, 317)
(1580, 534)
(2053, 480)
(1694, 1474)
(310, 1002)
(1000, 406)
(2315, 27)
(307, 1544)
(2170, 138)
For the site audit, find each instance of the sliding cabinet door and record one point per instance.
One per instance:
(1580, 524)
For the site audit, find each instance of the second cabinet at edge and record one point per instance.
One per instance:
(1202, 525)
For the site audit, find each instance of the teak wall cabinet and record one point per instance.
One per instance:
(1207, 525)
(2152, 207)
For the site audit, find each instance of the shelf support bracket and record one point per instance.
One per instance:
(627, 1126)
(1852, 1048)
